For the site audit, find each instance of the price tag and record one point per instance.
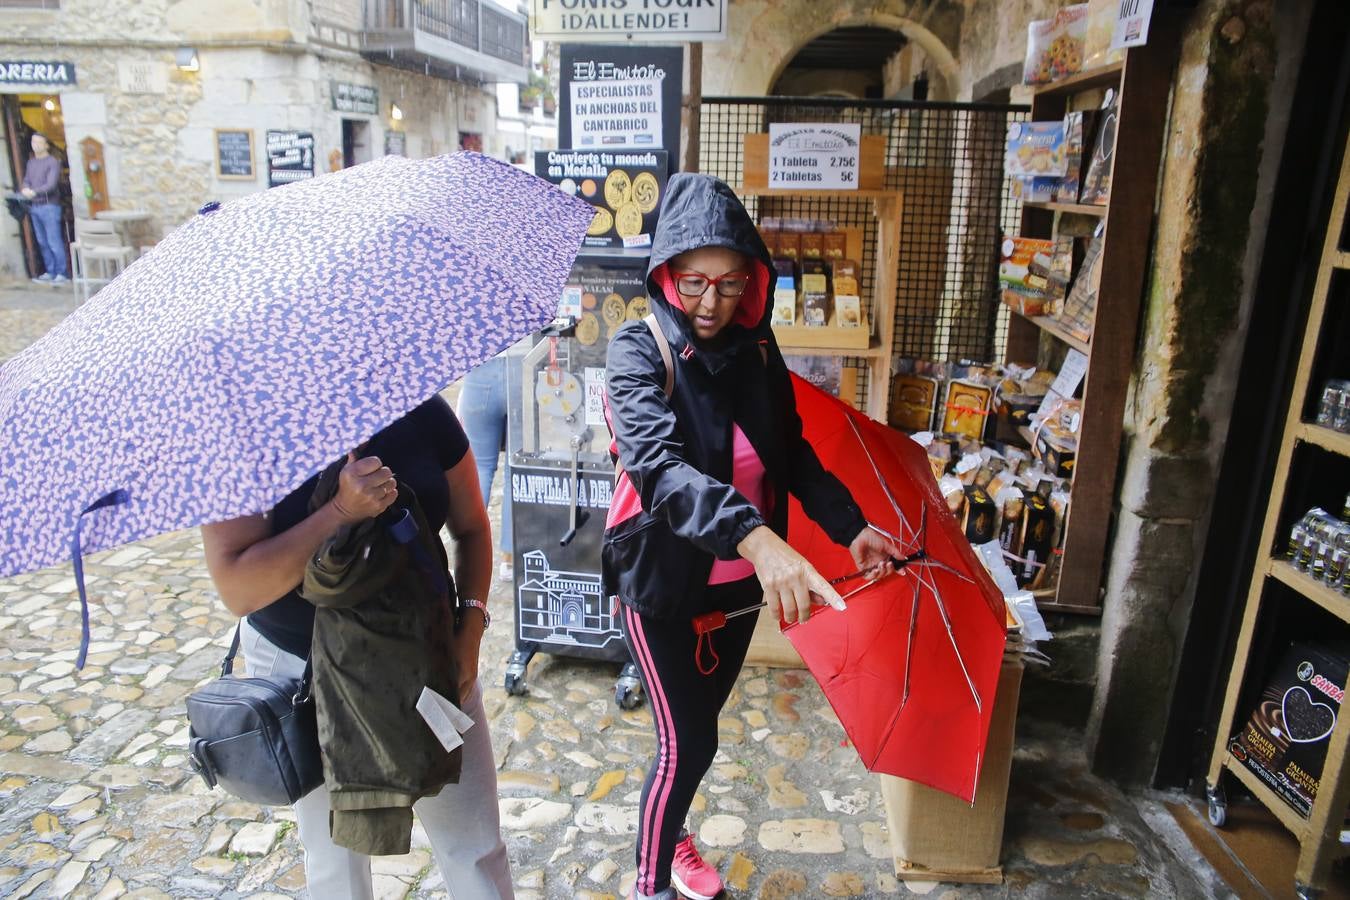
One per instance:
(814, 156)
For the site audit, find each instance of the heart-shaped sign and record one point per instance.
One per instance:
(1305, 720)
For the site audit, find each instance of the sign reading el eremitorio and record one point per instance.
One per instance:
(814, 156)
(23, 71)
(626, 20)
(620, 97)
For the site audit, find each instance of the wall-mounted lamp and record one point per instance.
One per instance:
(395, 112)
(186, 59)
(49, 105)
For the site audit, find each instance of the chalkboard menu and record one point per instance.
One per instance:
(234, 154)
(290, 157)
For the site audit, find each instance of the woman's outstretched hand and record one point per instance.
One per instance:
(787, 577)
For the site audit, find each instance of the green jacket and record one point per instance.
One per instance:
(382, 632)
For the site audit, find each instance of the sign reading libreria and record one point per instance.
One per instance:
(25, 71)
(814, 156)
(623, 20)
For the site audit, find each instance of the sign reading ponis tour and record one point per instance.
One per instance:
(626, 20)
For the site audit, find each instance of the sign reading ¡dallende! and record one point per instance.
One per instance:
(814, 156)
(624, 20)
(28, 72)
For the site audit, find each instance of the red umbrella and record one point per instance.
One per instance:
(911, 666)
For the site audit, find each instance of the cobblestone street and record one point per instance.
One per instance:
(98, 800)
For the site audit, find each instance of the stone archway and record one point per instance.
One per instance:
(765, 35)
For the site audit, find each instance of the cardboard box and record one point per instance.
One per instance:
(1096, 189)
(1022, 278)
(938, 837)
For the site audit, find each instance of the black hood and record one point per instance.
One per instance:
(701, 211)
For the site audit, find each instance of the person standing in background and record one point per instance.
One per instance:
(42, 185)
(482, 409)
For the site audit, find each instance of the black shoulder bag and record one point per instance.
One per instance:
(256, 737)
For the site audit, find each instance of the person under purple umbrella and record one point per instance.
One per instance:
(258, 564)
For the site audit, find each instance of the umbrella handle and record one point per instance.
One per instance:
(709, 622)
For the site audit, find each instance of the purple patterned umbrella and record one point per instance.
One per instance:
(266, 337)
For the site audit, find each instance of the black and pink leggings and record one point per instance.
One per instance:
(685, 707)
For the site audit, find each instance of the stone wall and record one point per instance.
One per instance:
(1232, 91)
(258, 70)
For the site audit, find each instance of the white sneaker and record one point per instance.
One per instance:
(60, 279)
(506, 573)
(44, 278)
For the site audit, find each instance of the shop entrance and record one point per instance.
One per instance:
(355, 142)
(23, 116)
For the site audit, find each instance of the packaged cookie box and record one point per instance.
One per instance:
(1056, 47)
(1035, 149)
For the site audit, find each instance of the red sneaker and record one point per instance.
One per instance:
(693, 877)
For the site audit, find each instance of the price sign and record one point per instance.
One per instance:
(814, 156)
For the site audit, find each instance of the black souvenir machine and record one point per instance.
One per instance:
(562, 477)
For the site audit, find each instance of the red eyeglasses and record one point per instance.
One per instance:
(693, 284)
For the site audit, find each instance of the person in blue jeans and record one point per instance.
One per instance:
(482, 410)
(42, 185)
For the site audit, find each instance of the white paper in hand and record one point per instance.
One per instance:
(446, 720)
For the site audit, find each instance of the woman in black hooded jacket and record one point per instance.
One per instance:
(700, 509)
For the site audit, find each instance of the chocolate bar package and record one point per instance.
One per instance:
(770, 238)
(1285, 741)
(815, 303)
(845, 276)
(813, 245)
(784, 303)
(913, 399)
(790, 244)
(848, 310)
(836, 245)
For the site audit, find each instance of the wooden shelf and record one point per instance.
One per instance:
(1077, 209)
(872, 351)
(1104, 76)
(1054, 327)
(1331, 600)
(1272, 801)
(1325, 438)
(742, 191)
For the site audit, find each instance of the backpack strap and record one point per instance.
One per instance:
(662, 345)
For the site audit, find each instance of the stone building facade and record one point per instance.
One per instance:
(266, 65)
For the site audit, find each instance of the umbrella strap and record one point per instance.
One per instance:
(705, 640)
(112, 498)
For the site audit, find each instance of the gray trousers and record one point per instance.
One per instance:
(461, 821)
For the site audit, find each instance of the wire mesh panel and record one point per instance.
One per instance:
(947, 161)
